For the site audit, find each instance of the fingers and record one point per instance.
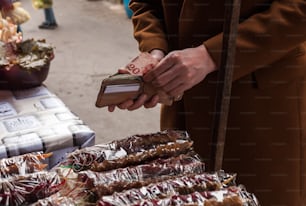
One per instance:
(126, 104)
(123, 70)
(142, 100)
(174, 81)
(175, 73)
(131, 105)
(160, 68)
(153, 102)
(178, 97)
(147, 68)
(111, 108)
(138, 103)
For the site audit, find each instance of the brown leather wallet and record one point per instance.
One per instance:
(121, 87)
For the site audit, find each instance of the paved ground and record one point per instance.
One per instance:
(93, 39)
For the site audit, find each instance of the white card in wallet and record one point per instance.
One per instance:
(121, 87)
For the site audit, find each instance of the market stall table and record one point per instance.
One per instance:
(34, 120)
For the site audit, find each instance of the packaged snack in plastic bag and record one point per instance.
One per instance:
(23, 164)
(233, 196)
(130, 151)
(25, 189)
(108, 182)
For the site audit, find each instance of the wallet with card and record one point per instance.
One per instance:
(129, 85)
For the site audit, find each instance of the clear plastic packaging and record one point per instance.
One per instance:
(176, 185)
(104, 183)
(130, 151)
(153, 169)
(23, 164)
(71, 194)
(24, 189)
(232, 196)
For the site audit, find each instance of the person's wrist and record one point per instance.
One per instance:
(210, 62)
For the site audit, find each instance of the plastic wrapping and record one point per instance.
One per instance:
(37, 120)
(176, 185)
(55, 200)
(130, 151)
(153, 169)
(22, 164)
(20, 190)
(224, 197)
(105, 183)
(71, 194)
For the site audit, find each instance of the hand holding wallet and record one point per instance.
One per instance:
(121, 87)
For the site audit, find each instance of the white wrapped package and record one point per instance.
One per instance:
(37, 120)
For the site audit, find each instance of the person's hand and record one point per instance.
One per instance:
(143, 99)
(131, 105)
(181, 70)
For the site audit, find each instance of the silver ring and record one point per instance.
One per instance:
(177, 98)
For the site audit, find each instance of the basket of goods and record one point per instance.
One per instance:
(23, 64)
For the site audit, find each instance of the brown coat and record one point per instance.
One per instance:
(266, 137)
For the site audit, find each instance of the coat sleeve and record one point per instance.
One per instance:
(265, 37)
(149, 25)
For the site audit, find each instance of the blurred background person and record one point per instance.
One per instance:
(47, 6)
(50, 21)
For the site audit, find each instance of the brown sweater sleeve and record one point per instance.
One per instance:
(148, 25)
(265, 37)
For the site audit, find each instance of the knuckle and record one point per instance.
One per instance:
(189, 76)
(171, 93)
(175, 55)
(158, 83)
(184, 65)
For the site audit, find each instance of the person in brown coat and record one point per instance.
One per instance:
(266, 134)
